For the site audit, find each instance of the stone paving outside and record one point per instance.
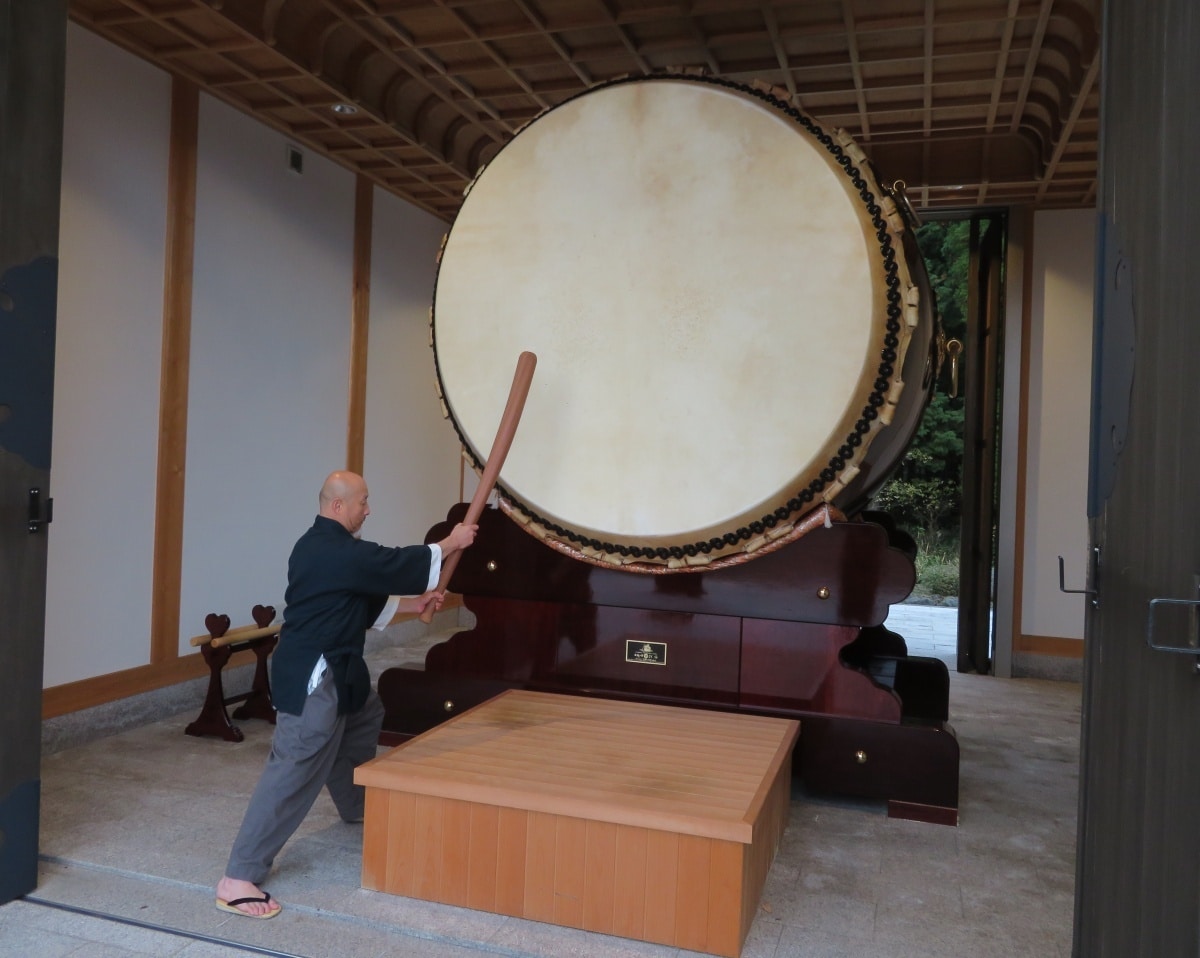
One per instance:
(927, 629)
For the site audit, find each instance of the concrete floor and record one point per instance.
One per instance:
(136, 827)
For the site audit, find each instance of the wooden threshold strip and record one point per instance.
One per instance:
(1050, 645)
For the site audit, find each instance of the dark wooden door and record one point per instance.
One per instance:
(32, 47)
(1138, 881)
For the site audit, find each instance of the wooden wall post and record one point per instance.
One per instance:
(176, 354)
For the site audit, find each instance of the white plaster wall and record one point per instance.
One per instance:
(268, 388)
(113, 218)
(411, 453)
(1059, 404)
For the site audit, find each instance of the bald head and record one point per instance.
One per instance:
(343, 498)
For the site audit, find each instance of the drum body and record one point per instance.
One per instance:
(729, 314)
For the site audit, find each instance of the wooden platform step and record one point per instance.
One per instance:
(645, 821)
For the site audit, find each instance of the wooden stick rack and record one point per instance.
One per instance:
(217, 647)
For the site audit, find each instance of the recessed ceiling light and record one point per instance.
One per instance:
(344, 109)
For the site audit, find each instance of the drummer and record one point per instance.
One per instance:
(329, 717)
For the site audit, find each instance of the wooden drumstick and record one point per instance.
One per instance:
(243, 633)
(491, 469)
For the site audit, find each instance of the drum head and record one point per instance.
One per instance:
(709, 282)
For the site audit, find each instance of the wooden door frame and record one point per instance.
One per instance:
(981, 443)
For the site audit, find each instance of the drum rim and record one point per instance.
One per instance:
(778, 525)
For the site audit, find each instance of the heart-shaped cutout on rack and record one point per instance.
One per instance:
(217, 625)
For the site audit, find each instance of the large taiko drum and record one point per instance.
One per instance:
(732, 323)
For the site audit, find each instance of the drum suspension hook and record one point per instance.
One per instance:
(954, 349)
(906, 207)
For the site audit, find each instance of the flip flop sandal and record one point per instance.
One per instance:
(232, 906)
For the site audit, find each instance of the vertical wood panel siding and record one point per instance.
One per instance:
(600, 878)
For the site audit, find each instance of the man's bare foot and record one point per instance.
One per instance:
(245, 898)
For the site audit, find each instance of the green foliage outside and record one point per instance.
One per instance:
(924, 493)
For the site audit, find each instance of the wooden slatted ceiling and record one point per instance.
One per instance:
(971, 102)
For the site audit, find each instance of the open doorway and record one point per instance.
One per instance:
(945, 490)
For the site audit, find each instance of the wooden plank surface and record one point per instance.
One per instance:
(686, 771)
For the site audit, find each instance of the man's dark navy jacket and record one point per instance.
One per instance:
(337, 587)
